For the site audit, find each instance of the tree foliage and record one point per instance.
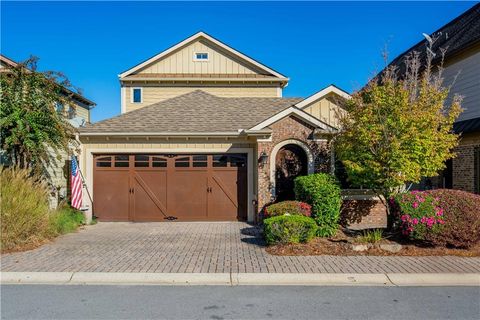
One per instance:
(399, 130)
(29, 121)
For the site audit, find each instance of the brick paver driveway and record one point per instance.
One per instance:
(201, 247)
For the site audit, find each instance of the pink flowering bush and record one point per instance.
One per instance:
(441, 217)
(419, 214)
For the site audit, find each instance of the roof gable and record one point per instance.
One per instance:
(331, 89)
(296, 112)
(222, 59)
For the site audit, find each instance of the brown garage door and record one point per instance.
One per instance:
(153, 187)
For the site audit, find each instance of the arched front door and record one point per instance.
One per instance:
(291, 161)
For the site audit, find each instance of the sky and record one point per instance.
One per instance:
(313, 43)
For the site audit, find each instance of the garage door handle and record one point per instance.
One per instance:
(209, 189)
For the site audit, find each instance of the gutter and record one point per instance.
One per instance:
(239, 133)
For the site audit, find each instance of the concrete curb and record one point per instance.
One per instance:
(234, 279)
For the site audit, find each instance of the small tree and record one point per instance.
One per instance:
(29, 121)
(399, 130)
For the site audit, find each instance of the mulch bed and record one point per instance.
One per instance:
(339, 246)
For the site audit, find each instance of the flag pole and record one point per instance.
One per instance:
(84, 184)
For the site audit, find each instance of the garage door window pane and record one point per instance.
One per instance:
(200, 161)
(121, 164)
(104, 164)
(220, 160)
(182, 162)
(123, 157)
(237, 161)
(141, 164)
(141, 157)
(159, 162)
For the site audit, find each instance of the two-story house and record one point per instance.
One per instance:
(77, 112)
(461, 40)
(204, 134)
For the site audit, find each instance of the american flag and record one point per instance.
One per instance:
(76, 185)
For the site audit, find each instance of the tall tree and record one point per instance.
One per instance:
(30, 124)
(399, 129)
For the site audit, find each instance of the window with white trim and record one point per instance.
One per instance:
(201, 56)
(137, 95)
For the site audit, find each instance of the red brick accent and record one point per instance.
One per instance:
(286, 129)
(363, 214)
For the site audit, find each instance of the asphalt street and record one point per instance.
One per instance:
(238, 302)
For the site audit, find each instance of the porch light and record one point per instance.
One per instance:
(262, 160)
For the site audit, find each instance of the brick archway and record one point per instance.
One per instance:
(273, 156)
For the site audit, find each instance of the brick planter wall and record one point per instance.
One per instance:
(286, 129)
(362, 210)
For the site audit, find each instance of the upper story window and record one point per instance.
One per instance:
(59, 107)
(71, 113)
(201, 56)
(137, 95)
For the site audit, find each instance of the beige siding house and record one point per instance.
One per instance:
(461, 39)
(204, 134)
(78, 114)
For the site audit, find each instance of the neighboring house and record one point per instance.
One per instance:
(204, 134)
(78, 114)
(461, 39)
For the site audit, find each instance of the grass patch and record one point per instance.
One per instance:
(371, 236)
(65, 220)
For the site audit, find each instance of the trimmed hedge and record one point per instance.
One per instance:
(288, 207)
(289, 229)
(322, 192)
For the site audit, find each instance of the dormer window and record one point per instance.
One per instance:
(137, 95)
(201, 56)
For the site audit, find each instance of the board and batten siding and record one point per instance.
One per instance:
(154, 94)
(326, 110)
(182, 61)
(464, 76)
(83, 113)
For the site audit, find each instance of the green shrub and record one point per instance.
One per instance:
(322, 192)
(288, 207)
(65, 220)
(24, 209)
(289, 229)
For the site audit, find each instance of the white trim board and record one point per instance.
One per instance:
(296, 112)
(320, 94)
(197, 36)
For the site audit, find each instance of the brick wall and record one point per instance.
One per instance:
(464, 177)
(286, 129)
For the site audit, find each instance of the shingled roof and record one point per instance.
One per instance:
(195, 112)
(456, 36)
